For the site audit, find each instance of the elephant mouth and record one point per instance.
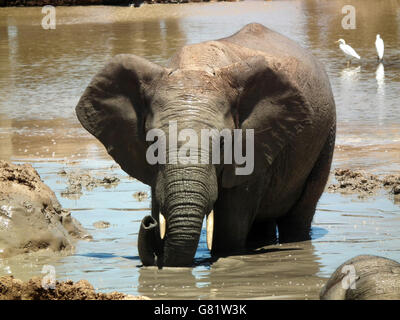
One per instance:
(152, 237)
(209, 227)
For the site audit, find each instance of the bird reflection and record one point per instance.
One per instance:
(350, 73)
(380, 75)
(380, 80)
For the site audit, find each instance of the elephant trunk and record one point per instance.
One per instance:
(190, 192)
(149, 242)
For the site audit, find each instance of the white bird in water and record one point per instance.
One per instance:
(348, 51)
(380, 47)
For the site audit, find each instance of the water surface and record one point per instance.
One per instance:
(44, 72)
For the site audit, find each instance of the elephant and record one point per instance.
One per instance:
(364, 277)
(255, 81)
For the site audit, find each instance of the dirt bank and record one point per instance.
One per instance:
(31, 218)
(33, 3)
(363, 183)
(15, 289)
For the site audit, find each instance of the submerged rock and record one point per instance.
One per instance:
(140, 195)
(15, 289)
(101, 224)
(31, 218)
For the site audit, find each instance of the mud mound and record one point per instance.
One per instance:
(79, 180)
(140, 196)
(15, 289)
(365, 184)
(31, 218)
(101, 224)
(393, 183)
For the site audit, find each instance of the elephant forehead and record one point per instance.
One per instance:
(202, 56)
(193, 82)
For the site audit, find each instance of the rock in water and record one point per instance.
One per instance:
(31, 218)
(101, 224)
(364, 277)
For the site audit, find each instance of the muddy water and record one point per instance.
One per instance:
(44, 72)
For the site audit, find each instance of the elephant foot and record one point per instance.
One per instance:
(149, 242)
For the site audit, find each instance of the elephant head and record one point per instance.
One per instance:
(131, 96)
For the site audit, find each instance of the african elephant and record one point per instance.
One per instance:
(254, 80)
(364, 277)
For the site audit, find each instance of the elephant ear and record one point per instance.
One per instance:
(269, 101)
(112, 108)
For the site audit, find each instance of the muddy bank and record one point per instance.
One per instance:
(31, 218)
(33, 3)
(365, 184)
(35, 289)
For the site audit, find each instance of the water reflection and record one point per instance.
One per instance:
(380, 77)
(380, 80)
(324, 24)
(350, 75)
(279, 271)
(43, 74)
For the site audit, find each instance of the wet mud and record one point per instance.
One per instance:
(78, 180)
(101, 224)
(31, 218)
(364, 184)
(140, 195)
(40, 289)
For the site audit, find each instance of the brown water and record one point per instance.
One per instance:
(44, 72)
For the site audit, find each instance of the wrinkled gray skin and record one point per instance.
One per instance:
(256, 79)
(375, 278)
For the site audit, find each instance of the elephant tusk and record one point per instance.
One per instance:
(162, 223)
(210, 229)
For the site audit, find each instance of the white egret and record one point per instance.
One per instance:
(347, 50)
(380, 47)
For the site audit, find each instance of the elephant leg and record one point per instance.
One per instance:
(296, 224)
(262, 234)
(234, 213)
(231, 226)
